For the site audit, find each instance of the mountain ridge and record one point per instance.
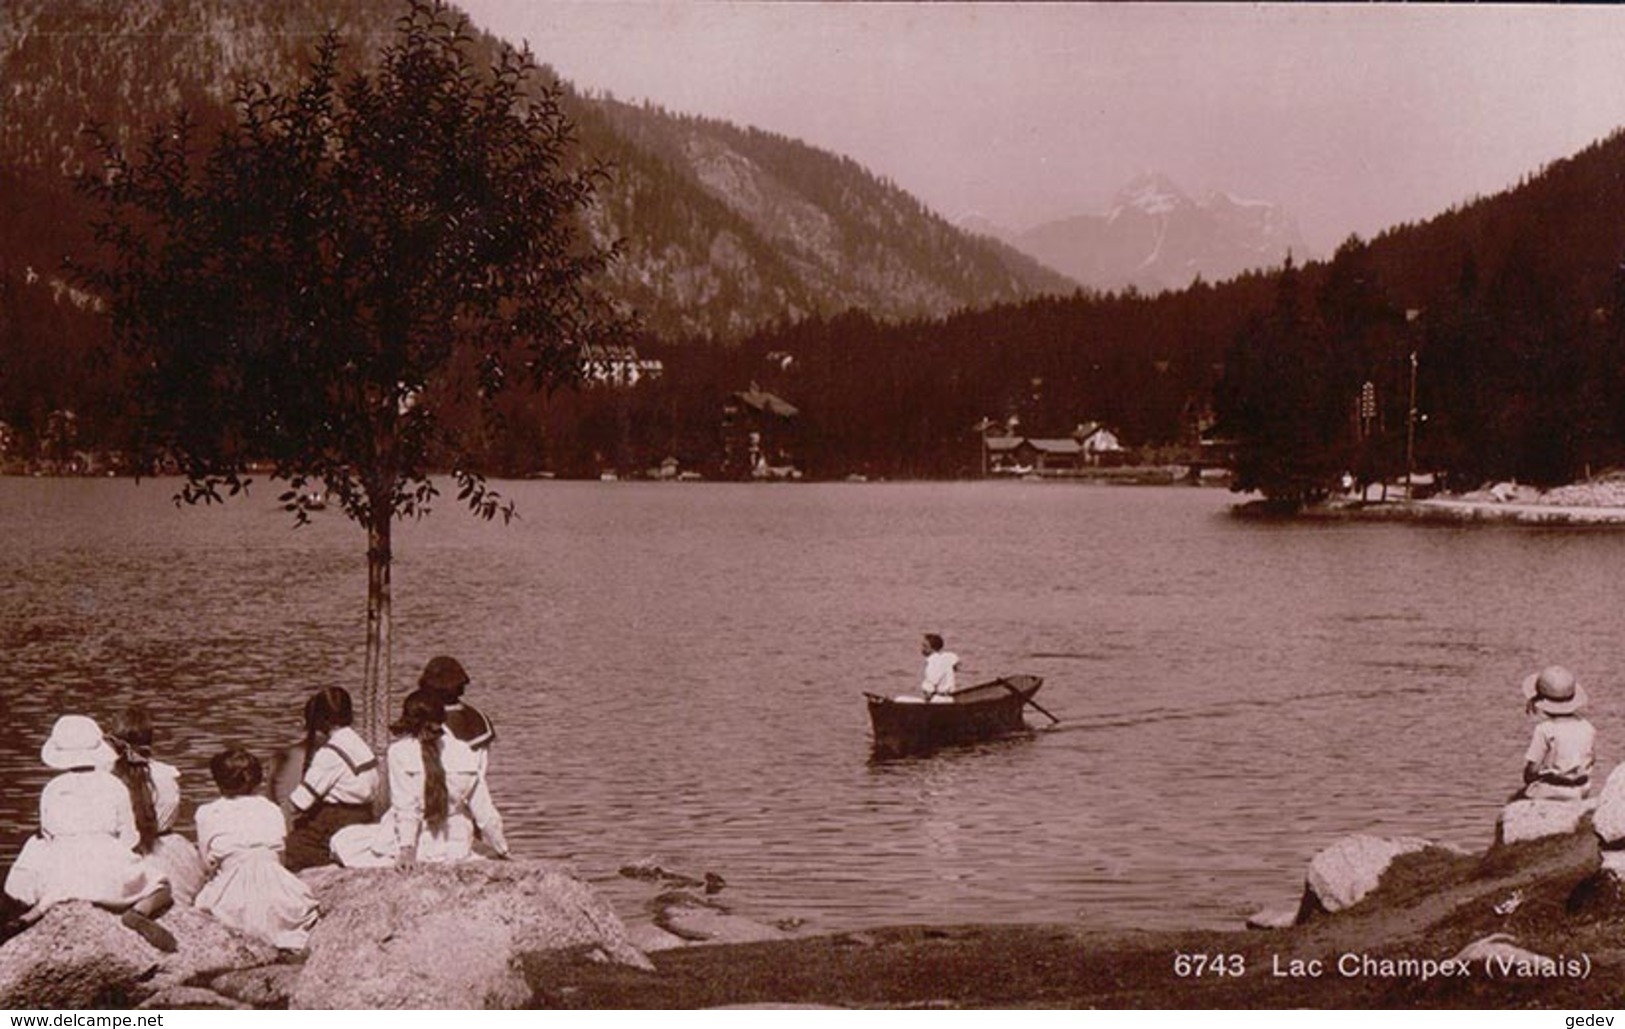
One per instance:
(1153, 236)
(725, 228)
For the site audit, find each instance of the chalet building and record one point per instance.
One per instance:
(1090, 446)
(760, 436)
(1021, 455)
(617, 366)
(1100, 445)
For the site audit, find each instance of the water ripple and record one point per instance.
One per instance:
(678, 673)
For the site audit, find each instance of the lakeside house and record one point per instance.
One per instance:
(760, 435)
(618, 366)
(1091, 445)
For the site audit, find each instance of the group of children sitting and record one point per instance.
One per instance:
(106, 821)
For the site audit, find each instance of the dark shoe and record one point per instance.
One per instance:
(150, 931)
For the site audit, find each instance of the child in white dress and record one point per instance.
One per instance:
(85, 849)
(241, 837)
(438, 797)
(155, 798)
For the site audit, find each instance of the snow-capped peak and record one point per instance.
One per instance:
(1152, 194)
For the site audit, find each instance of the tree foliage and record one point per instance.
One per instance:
(350, 278)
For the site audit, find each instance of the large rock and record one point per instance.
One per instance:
(1273, 918)
(1613, 863)
(1343, 873)
(78, 955)
(700, 920)
(207, 948)
(191, 998)
(650, 938)
(1609, 817)
(268, 986)
(1524, 820)
(1601, 895)
(448, 936)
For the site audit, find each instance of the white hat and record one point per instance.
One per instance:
(77, 742)
(1554, 691)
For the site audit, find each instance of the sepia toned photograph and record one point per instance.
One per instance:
(679, 505)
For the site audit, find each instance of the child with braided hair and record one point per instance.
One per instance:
(155, 800)
(438, 797)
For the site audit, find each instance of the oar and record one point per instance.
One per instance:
(1007, 684)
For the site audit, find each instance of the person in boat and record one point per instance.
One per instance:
(937, 685)
(339, 780)
(155, 800)
(438, 797)
(1561, 752)
(86, 845)
(444, 676)
(241, 836)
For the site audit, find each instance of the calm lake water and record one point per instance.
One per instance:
(677, 671)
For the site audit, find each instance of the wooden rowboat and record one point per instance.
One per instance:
(979, 712)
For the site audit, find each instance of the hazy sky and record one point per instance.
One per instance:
(1354, 117)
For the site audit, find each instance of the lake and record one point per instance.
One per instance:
(677, 671)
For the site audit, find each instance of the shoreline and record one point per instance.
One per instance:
(1404, 945)
(1447, 511)
(1524, 925)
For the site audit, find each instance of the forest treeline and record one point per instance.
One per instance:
(1505, 311)
(1510, 304)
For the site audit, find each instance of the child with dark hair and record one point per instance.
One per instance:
(155, 799)
(937, 684)
(340, 778)
(445, 678)
(241, 837)
(438, 797)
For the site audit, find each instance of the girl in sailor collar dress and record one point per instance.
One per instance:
(444, 677)
(340, 778)
(438, 797)
(85, 849)
(241, 838)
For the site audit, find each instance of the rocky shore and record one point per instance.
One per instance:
(1536, 921)
(447, 936)
(1598, 503)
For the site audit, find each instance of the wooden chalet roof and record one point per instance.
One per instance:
(767, 403)
(1064, 446)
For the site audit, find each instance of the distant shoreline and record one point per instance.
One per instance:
(1121, 475)
(1447, 511)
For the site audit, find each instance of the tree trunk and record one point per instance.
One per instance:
(375, 688)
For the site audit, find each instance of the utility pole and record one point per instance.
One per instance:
(1410, 432)
(1411, 318)
(981, 428)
